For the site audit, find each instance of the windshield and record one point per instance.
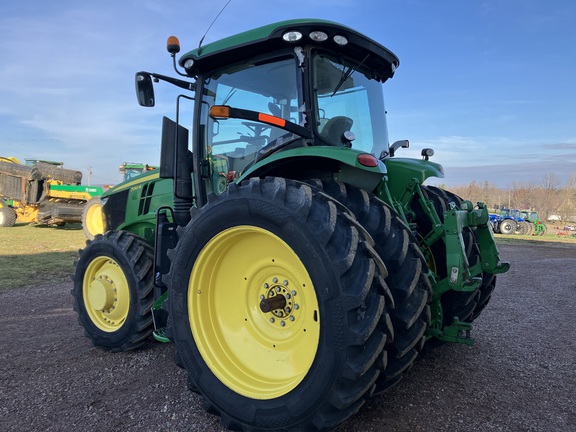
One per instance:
(233, 144)
(347, 99)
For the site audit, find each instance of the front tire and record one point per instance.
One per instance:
(306, 364)
(93, 222)
(113, 291)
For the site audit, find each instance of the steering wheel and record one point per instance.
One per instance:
(256, 128)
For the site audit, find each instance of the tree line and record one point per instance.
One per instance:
(548, 198)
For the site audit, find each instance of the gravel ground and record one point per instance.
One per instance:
(519, 376)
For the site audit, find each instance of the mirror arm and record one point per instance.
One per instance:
(177, 82)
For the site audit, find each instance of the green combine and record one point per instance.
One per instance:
(296, 262)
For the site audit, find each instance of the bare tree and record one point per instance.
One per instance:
(523, 195)
(547, 198)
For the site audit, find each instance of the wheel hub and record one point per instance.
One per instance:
(102, 294)
(279, 301)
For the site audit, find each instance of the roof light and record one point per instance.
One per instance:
(292, 36)
(367, 160)
(318, 36)
(340, 40)
(427, 153)
(173, 45)
(189, 63)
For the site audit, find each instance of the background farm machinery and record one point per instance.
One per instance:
(41, 192)
(514, 221)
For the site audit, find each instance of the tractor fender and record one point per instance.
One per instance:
(401, 171)
(355, 167)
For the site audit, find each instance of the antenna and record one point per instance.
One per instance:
(210, 26)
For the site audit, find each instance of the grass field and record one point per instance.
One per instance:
(39, 254)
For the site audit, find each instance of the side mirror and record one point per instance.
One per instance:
(398, 144)
(144, 89)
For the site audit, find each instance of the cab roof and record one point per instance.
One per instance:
(261, 40)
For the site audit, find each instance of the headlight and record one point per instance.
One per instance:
(318, 36)
(292, 36)
(340, 40)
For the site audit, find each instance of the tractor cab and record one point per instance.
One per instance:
(296, 85)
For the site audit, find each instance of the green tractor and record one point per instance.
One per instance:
(296, 262)
(93, 222)
(537, 227)
(129, 170)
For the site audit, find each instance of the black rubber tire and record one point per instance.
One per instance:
(494, 226)
(134, 257)
(486, 290)
(454, 304)
(350, 290)
(522, 228)
(7, 216)
(88, 222)
(507, 226)
(407, 276)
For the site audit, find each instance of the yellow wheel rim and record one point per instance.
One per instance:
(95, 219)
(258, 354)
(106, 294)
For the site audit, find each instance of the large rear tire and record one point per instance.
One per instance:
(407, 276)
(507, 226)
(7, 216)
(93, 222)
(306, 361)
(113, 291)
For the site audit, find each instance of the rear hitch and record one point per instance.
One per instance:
(458, 332)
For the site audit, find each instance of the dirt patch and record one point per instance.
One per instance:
(519, 375)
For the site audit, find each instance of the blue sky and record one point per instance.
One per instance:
(490, 85)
